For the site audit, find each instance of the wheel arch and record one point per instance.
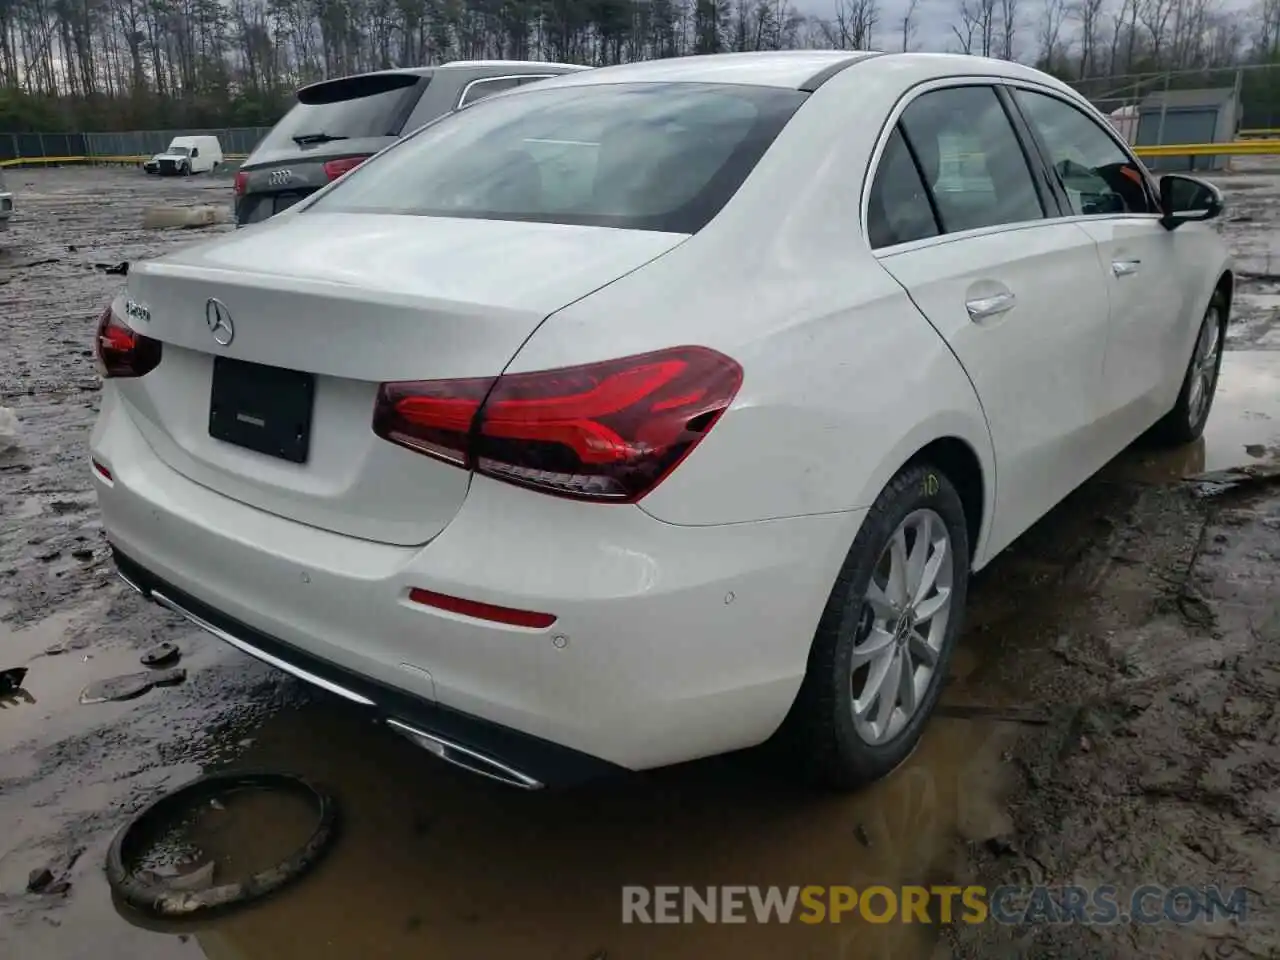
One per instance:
(959, 445)
(1226, 286)
(959, 462)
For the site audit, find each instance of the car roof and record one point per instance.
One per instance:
(771, 68)
(797, 69)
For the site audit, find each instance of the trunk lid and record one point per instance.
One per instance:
(353, 300)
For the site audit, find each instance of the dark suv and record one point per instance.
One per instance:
(338, 124)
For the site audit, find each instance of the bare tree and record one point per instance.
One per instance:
(1154, 16)
(909, 24)
(1008, 29)
(966, 28)
(852, 25)
(977, 29)
(1052, 18)
(1124, 29)
(1089, 15)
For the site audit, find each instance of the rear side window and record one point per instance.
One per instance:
(898, 210)
(971, 159)
(479, 89)
(645, 156)
(1100, 179)
(371, 105)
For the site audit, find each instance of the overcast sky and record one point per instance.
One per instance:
(933, 19)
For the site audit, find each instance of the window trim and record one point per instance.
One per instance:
(1090, 112)
(1052, 196)
(898, 130)
(1030, 155)
(494, 79)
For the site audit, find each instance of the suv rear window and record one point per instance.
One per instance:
(643, 156)
(372, 105)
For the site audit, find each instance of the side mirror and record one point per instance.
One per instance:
(1185, 199)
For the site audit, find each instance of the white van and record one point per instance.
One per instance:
(186, 155)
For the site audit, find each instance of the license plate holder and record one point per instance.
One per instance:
(261, 408)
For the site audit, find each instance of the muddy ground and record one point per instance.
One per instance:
(1111, 717)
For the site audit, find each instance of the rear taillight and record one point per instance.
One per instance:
(333, 169)
(241, 183)
(603, 431)
(122, 351)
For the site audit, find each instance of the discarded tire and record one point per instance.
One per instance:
(161, 900)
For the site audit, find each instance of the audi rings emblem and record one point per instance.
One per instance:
(218, 317)
(279, 178)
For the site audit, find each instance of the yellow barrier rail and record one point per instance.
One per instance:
(1260, 132)
(1234, 148)
(46, 161)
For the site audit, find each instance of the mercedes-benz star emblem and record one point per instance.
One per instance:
(218, 317)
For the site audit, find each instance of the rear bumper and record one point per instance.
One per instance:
(670, 642)
(477, 745)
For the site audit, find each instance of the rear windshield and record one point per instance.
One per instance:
(373, 105)
(643, 156)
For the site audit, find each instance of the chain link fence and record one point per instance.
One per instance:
(235, 141)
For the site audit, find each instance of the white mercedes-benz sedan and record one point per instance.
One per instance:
(659, 410)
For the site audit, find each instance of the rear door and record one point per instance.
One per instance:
(1109, 197)
(963, 219)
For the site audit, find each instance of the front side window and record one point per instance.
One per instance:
(640, 156)
(898, 208)
(1100, 179)
(971, 159)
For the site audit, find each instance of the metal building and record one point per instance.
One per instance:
(1188, 116)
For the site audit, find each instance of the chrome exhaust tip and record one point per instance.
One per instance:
(459, 756)
(464, 757)
(130, 584)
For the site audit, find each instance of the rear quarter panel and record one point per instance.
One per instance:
(844, 380)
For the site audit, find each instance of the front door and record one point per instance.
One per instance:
(1112, 202)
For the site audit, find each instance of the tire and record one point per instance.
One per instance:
(184, 170)
(820, 733)
(1185, 422)
(157, 898)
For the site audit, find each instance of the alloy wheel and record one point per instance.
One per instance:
(1204, 366)
(902, 626)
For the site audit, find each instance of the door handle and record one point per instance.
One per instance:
(983, 308)
(1125, 268)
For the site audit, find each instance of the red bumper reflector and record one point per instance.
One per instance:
(481, 611)
(101, 469)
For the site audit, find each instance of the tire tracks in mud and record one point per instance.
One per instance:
(1168, 771)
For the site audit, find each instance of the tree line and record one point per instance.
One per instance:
(93, 65)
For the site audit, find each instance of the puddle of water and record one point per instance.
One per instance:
(54, 683)
(1243, 427)
(430, 859)
(242, 833)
